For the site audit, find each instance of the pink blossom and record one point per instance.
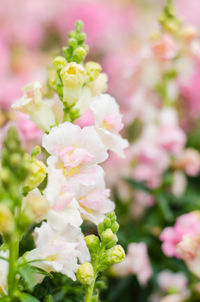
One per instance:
(172, 139)
(187, 224)
(28, 130)
(164, 48)
(87, 119)
(189, 161)
(136, 262)
(191, 93)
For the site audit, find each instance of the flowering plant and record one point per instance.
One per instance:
(53, 196)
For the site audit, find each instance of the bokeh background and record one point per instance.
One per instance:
(34, 31)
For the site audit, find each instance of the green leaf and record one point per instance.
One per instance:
(28, 298)
(27, 273)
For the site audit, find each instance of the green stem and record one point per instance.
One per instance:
(13, 256)
(90, 289)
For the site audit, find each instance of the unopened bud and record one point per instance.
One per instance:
(79, 54)
(79, 26)
(93, 243)
(112, 256)
(108, 238)
(115, 227)
(93, 70)
(59, 62)
(36, 176)
(85, 273)
(36, 206)
(6, 220)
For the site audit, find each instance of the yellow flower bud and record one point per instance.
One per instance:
(85, 273)
(6, 220)
(108, 238)
(93, 70)
(36, 206)
(73, 75)
(59, 62)
(36, 176)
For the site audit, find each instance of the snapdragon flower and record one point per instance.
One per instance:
(32, 104)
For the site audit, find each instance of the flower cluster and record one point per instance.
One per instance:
(75, 147)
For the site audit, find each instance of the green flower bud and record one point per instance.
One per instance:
(15, 159)
(79, 26)
(85, 273)
(72, 42)
(36, 176)
(93, 243)
(59, 62)
(112, 256)
(101, 228)
(116, 254)
(108, 238)
(115, 227)
(79, 54)
(112, 216)
(107, 222)
(6, 220)
(81, 38)
(93, 70)
(36, 151)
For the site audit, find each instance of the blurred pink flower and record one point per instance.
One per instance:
(186, 225)
(191, 92)
(136, 262)
(165, 48)
(29, 132)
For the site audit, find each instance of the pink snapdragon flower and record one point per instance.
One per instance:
(165, 48)
(136, 262)
(186, 225)
(175, 282)
(29, 132)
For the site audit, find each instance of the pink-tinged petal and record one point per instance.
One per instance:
(87, 119)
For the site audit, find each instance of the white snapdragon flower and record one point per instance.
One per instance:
(70, 200)
(3, 273)
(108, 122)
(75, 151)
(32, 104)
(58, 251)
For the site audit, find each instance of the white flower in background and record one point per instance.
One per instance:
(58, 251)
(3, 273)
(108, 123)
(75, 151)
(136, 262)
(32, 104)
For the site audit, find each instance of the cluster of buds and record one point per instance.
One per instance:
(13, 159)
(71, 79)
(104, 251)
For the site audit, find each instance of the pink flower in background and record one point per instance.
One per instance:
(28, 130)
(164, 48)
(136, 262)
(189, 161)
(191, 92)
(186, 225)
